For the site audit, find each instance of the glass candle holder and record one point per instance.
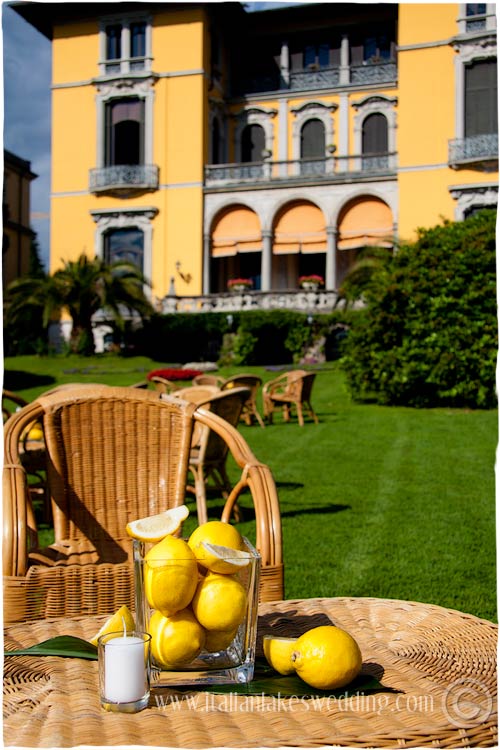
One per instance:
(124, 670)
(226, 656)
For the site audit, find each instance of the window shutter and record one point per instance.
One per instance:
(375, 136)
(312, 140)
(481, 117)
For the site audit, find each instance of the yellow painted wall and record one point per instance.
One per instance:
(75, 52)
(73, 138)
(424, 201)
(430, 22)
(178, 40)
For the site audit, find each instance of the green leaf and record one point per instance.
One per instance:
(269, 683)
(61, 645)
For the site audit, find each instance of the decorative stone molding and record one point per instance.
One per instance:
(469, 196)
(128, 218)
(254, 116)
(312, 111)
(379, 104)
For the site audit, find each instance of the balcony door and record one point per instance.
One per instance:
(375, 142)
(124, 132)
(253, 141)
(312, 147)
(481, 115)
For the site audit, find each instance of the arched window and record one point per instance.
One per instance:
(375, 141)
(125, 245)
(312, 146)
(253, 142)
(125, 132)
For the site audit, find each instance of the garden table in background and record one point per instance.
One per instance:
(437, 667)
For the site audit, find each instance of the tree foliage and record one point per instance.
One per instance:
(81, 288)
(428, 333)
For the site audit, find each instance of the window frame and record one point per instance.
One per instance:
(126, 63)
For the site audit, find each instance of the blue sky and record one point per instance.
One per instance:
(26, 78)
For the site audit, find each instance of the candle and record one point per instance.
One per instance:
(124, 669)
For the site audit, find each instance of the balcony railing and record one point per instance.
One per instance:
(322, 78)
(124, 177)
(302, 301)
(331, 168)
(474, 149)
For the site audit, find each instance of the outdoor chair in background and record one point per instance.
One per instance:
(114, 454)
(11, 402)
(207, 379)
(253, 382)
(292, 389)
(162, 385)
(209, 453)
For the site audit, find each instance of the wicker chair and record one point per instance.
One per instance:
(113, 454)
(253, 382)
(208, 456)
(162, 385)
(290, 389)
(207, 379)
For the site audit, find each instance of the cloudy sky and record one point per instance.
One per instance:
(26, 75)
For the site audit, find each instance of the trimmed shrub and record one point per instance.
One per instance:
(428, 333)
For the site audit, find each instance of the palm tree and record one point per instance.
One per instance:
(81, 287)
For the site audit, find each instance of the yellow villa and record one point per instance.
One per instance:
(207, 143)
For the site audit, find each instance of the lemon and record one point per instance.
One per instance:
(278, 652)
(216, 533)
(122, 619)
(220, 602)
(221, 559)
(175, 640)
(36, 433)
(170, 575)
(155, 528)
(219, 640)
(327, 657)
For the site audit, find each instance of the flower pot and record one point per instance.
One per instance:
(310, 286)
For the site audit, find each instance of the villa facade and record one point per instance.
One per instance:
(207, 143)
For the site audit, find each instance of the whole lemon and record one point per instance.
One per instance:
(327, 657)
(170, 575)
(175, 640)
(219, 533)
(220, 602)
(219, 640)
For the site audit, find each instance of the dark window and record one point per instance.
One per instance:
(216, 156)
(374, 136)
(113, 42)
(312, 140)
(138, 40)
(124, 245)
(317, 55)
(378, 47)
(481, 116)
(252, 143)
(125, 132)
(475, 9)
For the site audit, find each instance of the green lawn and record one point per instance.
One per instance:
(376, 501)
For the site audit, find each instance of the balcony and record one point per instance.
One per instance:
(314, 77)
(476, 150)
(123, 179)
(302, 171)
(300, 301)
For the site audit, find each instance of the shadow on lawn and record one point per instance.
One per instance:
(323, 509)
(19, 380)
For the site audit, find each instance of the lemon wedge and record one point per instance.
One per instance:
(278, 652)
(123, 619)
(157, 527)
(220, 559)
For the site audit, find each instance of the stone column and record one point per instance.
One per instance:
(285, 64)
(344, 72)
(206, 264)
(266, 261)
(331, 261)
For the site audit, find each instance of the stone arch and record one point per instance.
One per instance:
(384, 105)
(254, 116)
(299, 242)
(311, 111)
(235, 246)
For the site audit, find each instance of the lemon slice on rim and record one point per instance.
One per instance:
(278, 652)
(221, 559)
(157, 527)
(123, 619)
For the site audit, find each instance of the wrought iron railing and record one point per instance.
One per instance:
(330, 168)
(124, 176)
(374, 72)
(473, 149)
(315, 79)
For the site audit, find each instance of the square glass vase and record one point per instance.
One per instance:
(233, 662)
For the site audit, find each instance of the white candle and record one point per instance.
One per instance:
(124, 669)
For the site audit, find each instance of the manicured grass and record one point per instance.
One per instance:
(376, 501)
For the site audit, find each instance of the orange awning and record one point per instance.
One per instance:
(300, 229)
(366, 222)
(236, 231)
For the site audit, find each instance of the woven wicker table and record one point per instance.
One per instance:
(441, 665)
